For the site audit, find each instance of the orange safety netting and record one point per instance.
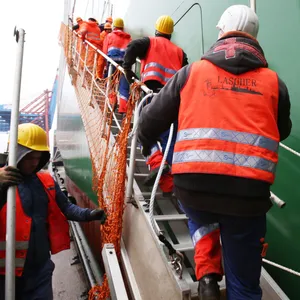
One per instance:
(108, 156)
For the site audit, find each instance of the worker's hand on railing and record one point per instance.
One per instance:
(130, 75)
(10, 176)
(98, 215)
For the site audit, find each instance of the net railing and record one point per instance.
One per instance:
(97, 101)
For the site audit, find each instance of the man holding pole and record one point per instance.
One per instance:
(42, 211)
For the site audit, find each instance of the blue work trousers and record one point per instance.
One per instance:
(124, 88)
(242, 247)
(164, 140)
(33, 286)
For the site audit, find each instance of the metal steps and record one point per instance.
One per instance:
(170, 220)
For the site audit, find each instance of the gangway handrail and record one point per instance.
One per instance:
(121, 69)
(147, 90)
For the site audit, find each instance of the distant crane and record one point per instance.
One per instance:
(39, 111)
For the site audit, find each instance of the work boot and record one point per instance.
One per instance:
(150, 179)
(208, 288)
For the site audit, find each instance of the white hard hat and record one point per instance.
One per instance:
(239, 18)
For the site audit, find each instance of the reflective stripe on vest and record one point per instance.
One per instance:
(215, 156)
(58, 227)
(226, 157)
(115, 53)
(227, 135)
(202, 231)
(227, 124)
(22, 245)
(115, 48)
(159, 73)
(163, 60)
(92, 36)
(20, 262)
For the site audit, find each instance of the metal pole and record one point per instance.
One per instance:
(12, 161)
(132, 156)
(133, 134)
(253, 4)
(103, 125)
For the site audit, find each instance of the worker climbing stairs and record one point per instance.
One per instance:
(148, 231)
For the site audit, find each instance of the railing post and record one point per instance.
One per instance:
(85, 60)
(75, 50)
(94, 68)
(132, 157)
(110, 72)
(93, 78)
(10, 262)
(79, 54)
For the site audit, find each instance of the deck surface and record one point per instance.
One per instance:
(69, 282)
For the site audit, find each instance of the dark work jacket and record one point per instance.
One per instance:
(138, 49)
(211, 192)
(35, 204)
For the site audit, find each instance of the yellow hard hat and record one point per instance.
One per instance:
(33, 137)
(118, 22)
(164, 24)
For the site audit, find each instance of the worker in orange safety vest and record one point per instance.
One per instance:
(114, 46)
(101, 60)
(42, 211)
(90, 31)
(160, 60)
(80, 49)
(232, 112)
(79, 22)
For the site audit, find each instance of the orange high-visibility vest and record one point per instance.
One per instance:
(115, 44)
(163, 60)
(227, 123)
(58, 227)
(103, 35)
(91, 32)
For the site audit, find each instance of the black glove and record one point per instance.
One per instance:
(10, 176)
(146, 150)
(129, 74)
(146, 147)
(98, 214)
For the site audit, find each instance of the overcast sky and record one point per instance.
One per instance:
(41, 21)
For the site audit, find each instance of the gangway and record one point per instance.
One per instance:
(144, 260)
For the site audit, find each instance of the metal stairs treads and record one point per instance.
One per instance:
(129, 147)
(148, 194)
(139, 175)
(138, 160)
(184, 247)
(177, 217)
